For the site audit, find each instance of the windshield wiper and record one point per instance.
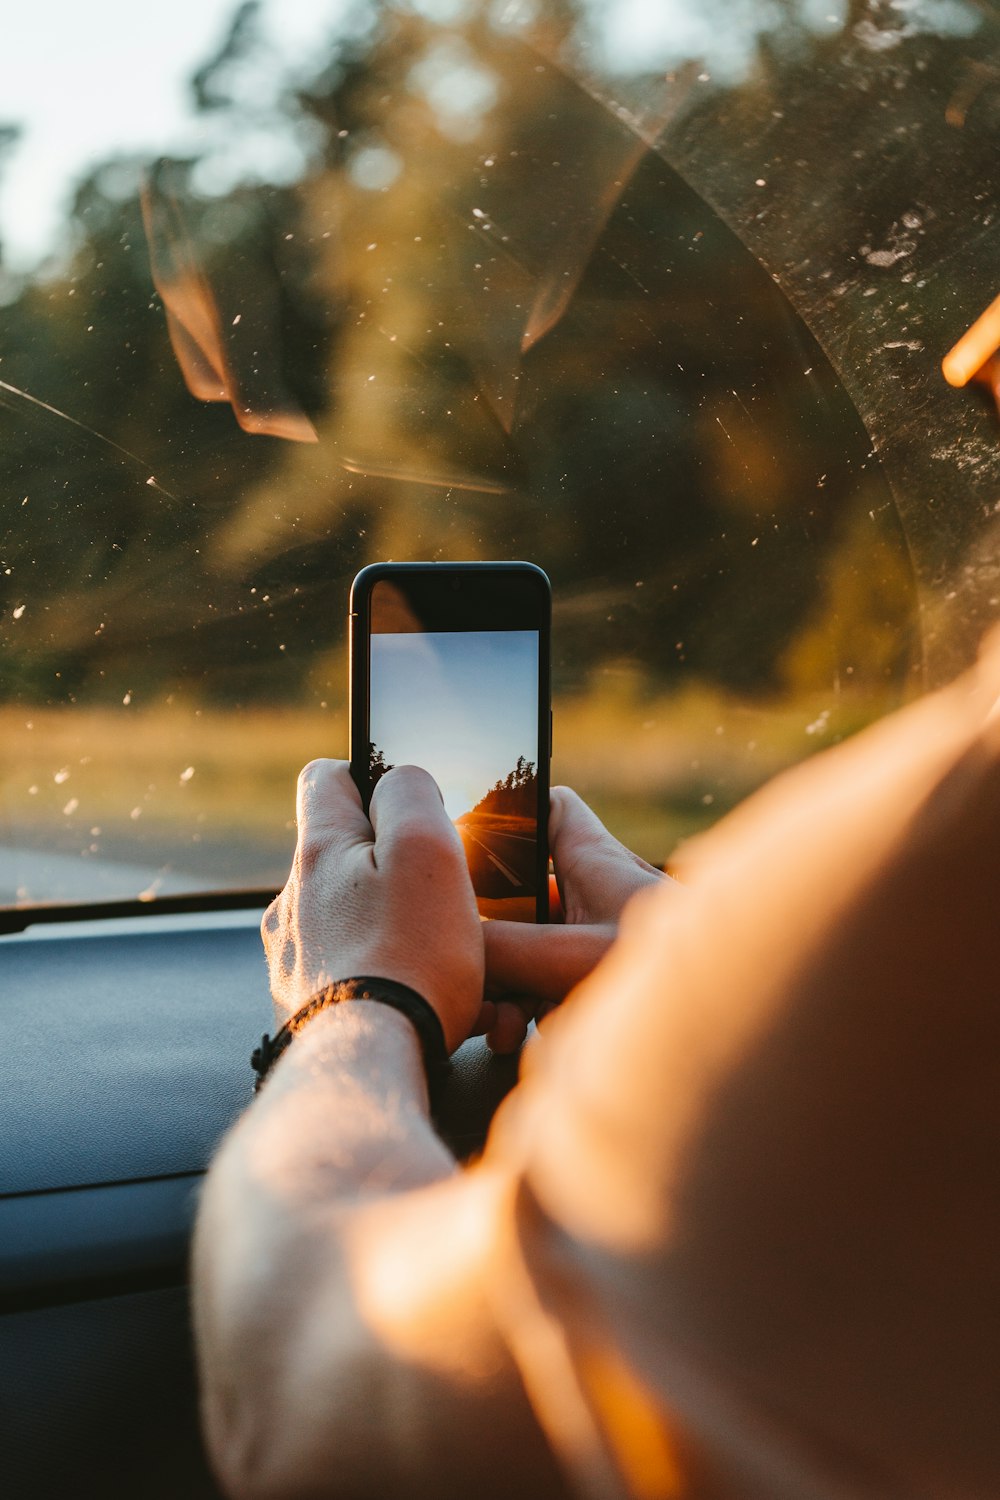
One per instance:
(19, 918)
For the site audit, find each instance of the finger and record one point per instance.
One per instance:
(327, 802)
(407, 804)
(542, 961)
(510, 1026)
(486, 1019)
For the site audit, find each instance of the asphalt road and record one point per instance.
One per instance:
(501, 863)
(32, 875)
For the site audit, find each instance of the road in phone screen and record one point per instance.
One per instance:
(464, 706)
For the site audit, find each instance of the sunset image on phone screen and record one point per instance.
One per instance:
(464, 706)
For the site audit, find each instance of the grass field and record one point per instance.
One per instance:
(211, 793)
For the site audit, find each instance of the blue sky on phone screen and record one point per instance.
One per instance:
(461, 704)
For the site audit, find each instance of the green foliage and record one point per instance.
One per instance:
(154, 543)
(511, 796)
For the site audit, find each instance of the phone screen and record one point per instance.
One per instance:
(454, 686)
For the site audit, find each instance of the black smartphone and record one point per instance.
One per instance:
(450, 672)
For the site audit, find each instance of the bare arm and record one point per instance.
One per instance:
(344, 1338)
(339, 1265)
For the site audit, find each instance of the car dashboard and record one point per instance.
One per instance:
(126, 1059)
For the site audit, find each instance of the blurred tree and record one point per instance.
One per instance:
(9, 137)
(648, 436)
(212, 82)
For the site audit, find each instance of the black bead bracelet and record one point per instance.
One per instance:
(400, 997)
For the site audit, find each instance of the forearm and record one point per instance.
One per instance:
(342, 1116)
(344, 1339)
(341, 1121)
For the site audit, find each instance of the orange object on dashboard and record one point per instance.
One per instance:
(975, 349)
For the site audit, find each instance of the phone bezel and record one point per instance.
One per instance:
(480, 605)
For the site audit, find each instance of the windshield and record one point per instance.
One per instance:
(652, 295)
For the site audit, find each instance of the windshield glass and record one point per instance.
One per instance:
(653, 295)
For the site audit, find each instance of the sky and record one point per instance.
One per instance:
(87, 80)
(461, 704)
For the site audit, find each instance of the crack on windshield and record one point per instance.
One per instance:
(443, 481)
(152, 482)
(561, 280)
(617, 287)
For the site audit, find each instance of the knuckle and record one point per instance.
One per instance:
(315, 781)
(436, 845)
(270, 922)
(410, 772)
(288, 957)
(646, 873)
(313, 770)
(414, 829)
(409, 778)
(309, 852)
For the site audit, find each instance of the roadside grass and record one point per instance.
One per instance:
(147, 784)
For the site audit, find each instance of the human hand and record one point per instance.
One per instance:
(386, 895)
(534, 967)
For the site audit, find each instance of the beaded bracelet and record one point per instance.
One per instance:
(400, 997)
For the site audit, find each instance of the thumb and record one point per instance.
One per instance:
(595, 873)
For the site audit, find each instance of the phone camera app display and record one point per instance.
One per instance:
(463, 704)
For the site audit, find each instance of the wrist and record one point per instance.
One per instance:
(347, 1103)
(366, 990)
(359, 1047)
